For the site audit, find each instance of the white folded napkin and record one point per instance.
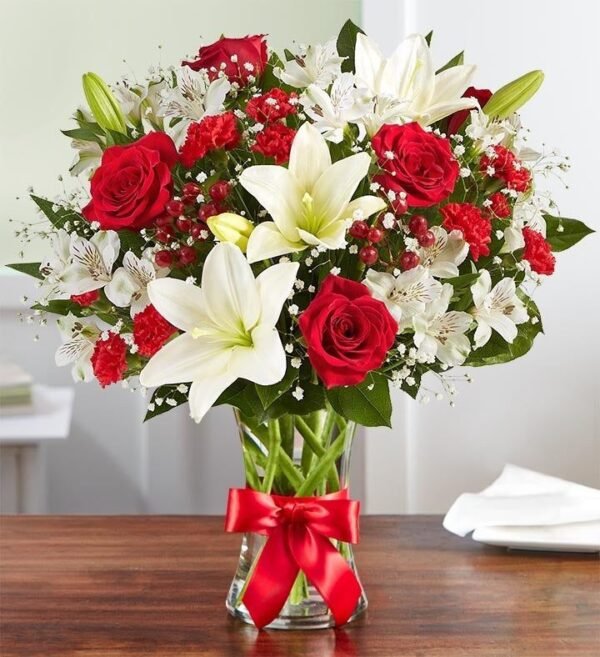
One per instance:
(528, 510)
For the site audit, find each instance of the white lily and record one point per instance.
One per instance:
(91, 262)
(228, 327)
(194, 97)
(318, 64)
(129, 283)
(499, 309)
(405, 295)
(441, 334)
(443, 258)
(309, 201)
(409, 75)
(332, 111)
(78, 346)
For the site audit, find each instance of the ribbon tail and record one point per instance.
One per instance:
(272, 579)
(327, 570)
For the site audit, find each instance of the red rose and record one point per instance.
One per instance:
(150, 331)
(347, 332)
(505, 166)
(86, 299)
(238, 58)
(209, 134)
(132, 186)
(500, 205)
(456, 120)
(538, 252)
(275, 141)
(475, 228)
(272, 106)
(416, 162)
(109, 360)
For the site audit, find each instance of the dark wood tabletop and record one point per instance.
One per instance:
(105, 586)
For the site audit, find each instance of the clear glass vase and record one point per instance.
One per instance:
(302, 455)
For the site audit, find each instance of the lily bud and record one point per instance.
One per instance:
(514, 95)
(102, 103)
(229, 227)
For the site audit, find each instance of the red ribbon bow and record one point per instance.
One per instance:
(298, 530)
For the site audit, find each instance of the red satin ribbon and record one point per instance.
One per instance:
(298, 530)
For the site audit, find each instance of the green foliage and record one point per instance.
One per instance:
(346, 44)
(368, 403)
(84, 134)
(428, 37)
(269, 79)
(457, 60)
(57, 217)
(29, 268)
(563, 233)
(162, 394)
(498, 351)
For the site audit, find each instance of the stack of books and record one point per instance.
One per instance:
(15, 390)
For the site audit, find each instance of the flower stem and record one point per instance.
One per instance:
(318, 475)
(273, 458)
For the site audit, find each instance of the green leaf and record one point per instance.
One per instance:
(563, 233)
(465, 280)
(457, 60)
(131, 241)
(83, 134)
(242, 394)
(289, 55)
(313, 400)
(497, 351)
(269, 79)
(269, 394)
(346, 44)
(428, 37)
(163, 393)
(62, 307)
(29, 268)
(367, 403)
(59, 217)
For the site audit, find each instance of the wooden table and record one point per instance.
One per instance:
(83, 586)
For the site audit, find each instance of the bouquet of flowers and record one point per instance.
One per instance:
(292, 237)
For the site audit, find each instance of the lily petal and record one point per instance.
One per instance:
(263, 363)
(409, 72)
(309, 156)
(452, 83)
(369, 63)
(205, 392)
(368, 204)
(266, 241)
(178, 302)
(274, 286)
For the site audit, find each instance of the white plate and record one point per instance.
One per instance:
(573, 537)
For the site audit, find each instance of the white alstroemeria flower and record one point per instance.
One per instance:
(129, 283)
(91, 262)
(486, 131)
(228, 327)
(53, 268)
(318, 64)
(525, 213)
(88, 156)
(130, 99)
(79, 339)
(499, 309)
(409, 75)
(194, 97)
(309, 201)
(405, 295)
(382, 110)
(441, 334)
(332, 111)
(443, 258)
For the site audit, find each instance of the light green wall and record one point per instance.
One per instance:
(46, 46)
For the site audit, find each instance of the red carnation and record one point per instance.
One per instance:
(500, 205)
(133, 184)
(150, 331)
(416, 162)
(348, 333)
(209, 134)
(86, 299)
(456, 120)
(275, 141)
(475, 228)
(109, 360)
(506, 167)
(272, 106)
(237, 58)
(538, 252)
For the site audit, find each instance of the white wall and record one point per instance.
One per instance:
(111, 464)
(542, 411)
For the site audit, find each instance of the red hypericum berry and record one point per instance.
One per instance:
(220, 190)
(375, 235)
(165, 220)
(183, 224)
(163, 258)
(418, 224)
(409, 260)
(369, 255)
(359, 230)
(196, 230)
(165, 234)
(207, 211)
(186, 255)
(426, 239)
(400, 205)
(191, 189)
(175, 207)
